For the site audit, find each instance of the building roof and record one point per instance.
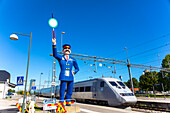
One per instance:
(12, 85)
(4, 75)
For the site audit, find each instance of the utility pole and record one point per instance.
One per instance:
(95, 65)
(153, 83)
(162, 80)
(128, 65)
(130, 76)
(114, 69)
(53, 78)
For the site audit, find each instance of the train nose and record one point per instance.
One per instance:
(131, 100)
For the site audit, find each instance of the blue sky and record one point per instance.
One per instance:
(92, 27)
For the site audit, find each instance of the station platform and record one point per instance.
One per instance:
(152, 99)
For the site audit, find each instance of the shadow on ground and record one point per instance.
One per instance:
(12, 110)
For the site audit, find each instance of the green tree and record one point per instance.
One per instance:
(11, 91)
(164, 77)
(166, 61)
(20, 92)
(147, 80)
(135, 83)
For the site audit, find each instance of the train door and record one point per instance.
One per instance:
(94, 95)
(104, 92)
(100, 89)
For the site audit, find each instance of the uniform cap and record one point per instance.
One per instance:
(66, 46)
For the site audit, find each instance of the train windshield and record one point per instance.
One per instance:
(120, 83)
(113, 83)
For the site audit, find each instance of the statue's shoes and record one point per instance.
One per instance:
(68, 104)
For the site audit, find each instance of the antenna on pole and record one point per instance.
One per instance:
(52, 15)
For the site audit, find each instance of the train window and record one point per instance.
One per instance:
(102, 84)
(77, 89)
(81, 89)
(87, 89)
(113, 83)
(122, 84)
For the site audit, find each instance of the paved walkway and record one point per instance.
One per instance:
(8, 106)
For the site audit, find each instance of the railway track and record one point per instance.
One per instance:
(150, 107)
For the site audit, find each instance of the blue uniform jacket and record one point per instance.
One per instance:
(66, 66)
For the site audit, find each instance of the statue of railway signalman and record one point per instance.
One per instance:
(66, 75)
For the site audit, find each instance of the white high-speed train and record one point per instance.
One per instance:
(104, 90)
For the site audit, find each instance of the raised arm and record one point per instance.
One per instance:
(55, 55)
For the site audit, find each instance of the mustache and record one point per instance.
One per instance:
(67, 50)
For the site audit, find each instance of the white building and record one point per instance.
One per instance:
(5, 84)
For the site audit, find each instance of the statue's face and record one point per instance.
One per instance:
(66, 51)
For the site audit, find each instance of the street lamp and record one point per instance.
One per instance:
(126, 52)
(61, 38)
(15, 37)
(40, 85)
(53, 77)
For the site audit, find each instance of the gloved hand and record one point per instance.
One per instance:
(54, 41)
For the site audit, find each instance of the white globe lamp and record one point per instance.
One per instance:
(53, 22)
(13, 37)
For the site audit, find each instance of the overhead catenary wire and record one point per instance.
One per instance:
(152, 53)
(141, 44)
(147, 51)
(109, 67)
(89, 66)
(153, 61)
(150, 61)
